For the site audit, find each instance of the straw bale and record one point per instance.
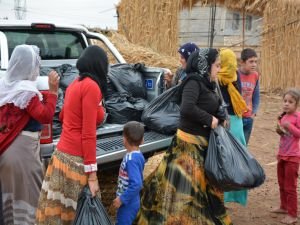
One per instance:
(281, 45)
(134, 53)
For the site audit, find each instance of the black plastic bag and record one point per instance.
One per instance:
(111, 89)
(57, 126)
(228, 164)
(222, 113)
(163, 113)
(128, 78)
(90, 210)
(44, 71)
(121, 108)
(68, 74)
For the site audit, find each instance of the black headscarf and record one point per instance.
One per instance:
(93, 63)
(199, 64)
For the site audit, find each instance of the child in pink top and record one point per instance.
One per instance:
(288, 128)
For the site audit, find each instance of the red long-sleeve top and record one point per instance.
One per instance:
(13, 119)
(80, 115)
(289, 149)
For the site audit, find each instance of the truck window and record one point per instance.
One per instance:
(53, 45)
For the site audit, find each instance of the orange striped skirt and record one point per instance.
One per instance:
(63, 182)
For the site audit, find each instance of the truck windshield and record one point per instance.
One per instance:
(53, 45)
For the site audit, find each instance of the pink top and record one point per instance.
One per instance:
(289, 142)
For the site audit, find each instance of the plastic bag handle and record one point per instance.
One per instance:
(222, 100)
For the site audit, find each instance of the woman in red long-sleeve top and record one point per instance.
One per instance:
(73, 164)
(22, 111)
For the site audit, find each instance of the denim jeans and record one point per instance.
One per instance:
(247, 126)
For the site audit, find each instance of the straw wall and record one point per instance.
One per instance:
(154, 23)
(150, 23)
(281, 45)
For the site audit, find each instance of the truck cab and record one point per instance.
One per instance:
(62, 44)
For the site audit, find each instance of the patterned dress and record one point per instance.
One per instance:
(177, 192)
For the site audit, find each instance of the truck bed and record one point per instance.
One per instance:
(111, 149)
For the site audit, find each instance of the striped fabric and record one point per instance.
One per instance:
(177, 192)
(21, 176)
(63, 182)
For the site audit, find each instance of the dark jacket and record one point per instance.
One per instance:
(198, 104)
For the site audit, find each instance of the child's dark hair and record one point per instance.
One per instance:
(247, 53)
(295, 93)
(134, 132)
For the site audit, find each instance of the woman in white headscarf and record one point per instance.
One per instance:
(22, 111)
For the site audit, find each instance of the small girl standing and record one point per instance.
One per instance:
(288, 128)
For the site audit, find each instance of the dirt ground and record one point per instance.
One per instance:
(263, 145)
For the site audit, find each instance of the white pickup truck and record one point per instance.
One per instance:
(62, 44)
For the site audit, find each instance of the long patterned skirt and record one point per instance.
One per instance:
(21, 176)
(236, 129)
(63, 182)
(177, 192)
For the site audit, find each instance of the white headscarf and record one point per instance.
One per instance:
(18, 86)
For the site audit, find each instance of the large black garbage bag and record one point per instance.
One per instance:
(163, 113)
(128, 78)
(44, 71)
(68, 74)
(228, 164)
(121, 108)
(56, 126)
(111, 89)
(90, 210)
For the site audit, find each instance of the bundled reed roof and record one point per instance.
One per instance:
(281, 45)
(250, 6)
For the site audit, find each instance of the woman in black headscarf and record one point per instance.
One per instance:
(178, 192)
(73, 164)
